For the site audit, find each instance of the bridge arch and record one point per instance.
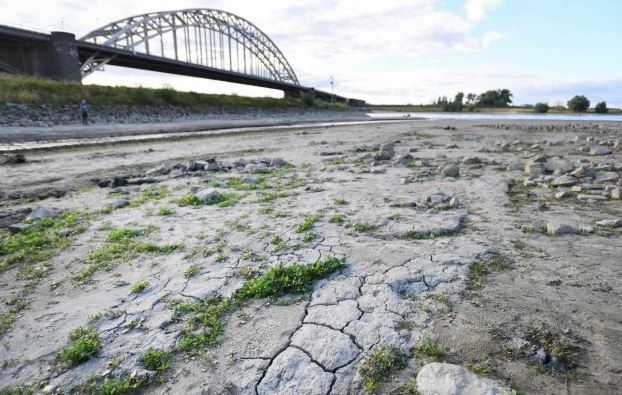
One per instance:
(202, 36)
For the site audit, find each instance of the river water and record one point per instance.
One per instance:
(475, 116)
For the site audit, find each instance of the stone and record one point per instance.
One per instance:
(13, 159)
(606, 176)
(118, 182)
(330, 348)
(454, 202)
(65, 232)
(540, 356)
(158, 171)
(18, 228)
(208, 195)
(565, 181)
(250, 168)
(444, 378)
(471, 160)
(558, 229)
(293, 372)
(404, 159)
(515, 165)
(41, 212)
(437, 198)
(249, 179)
(534, 169)
(196, 165)
(559, 166)
(582, 171)
(177, 172)
(597, 150)
(615, 193)
(610, 223)
(277, 162)
(212, 165)
(591, 197)
(562, 195)
(450, 171)
(120, 203)
(577, 188)
(387, 151)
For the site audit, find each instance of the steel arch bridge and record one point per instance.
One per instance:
(203, 37)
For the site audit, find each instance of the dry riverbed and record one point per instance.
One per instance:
(402, 258)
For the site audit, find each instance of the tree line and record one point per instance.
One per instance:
(500, 98)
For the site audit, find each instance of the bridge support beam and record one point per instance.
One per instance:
(56, 59)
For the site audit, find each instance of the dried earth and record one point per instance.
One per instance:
(341, 260)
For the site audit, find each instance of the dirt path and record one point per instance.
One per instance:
(169, 261)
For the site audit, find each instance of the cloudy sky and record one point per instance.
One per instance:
(394, 51)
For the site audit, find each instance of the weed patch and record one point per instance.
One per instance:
(83, 343)
(307, 223)
(479, 268)
(430, 348)
(279, 280)
(157, 360)
(381, 364)
(139, 286)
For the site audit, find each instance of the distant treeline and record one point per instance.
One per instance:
(491, 98)
(502, 98)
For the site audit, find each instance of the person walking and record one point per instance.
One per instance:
(84, 109)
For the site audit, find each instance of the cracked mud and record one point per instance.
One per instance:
(474, 238)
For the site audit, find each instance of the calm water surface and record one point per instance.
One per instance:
(500, 116)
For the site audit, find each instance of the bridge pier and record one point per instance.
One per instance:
(55, 59)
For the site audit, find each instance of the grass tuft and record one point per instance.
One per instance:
(381, 364)
(157, 360)
(83, 343)
(479, 268)
(279, 280)
(139, 286)
(307, 223)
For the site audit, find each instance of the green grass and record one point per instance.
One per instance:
(192, 271)
(340, 201)
(337, 219)
(309, 236)
(83, 343)
(415, 235)
(296, 278)
(482, 267)
(307, 223)
(40, 241)
(31, 90)
(381, 364)
(157, 360)
(15, 305)
(205, 322)
(363, 227)
(266, 197)
(24, 389)
(150, 193)
(139, 286)
(237, 184)
(121, 246)
(554, 344)
(430, 348)
(221, 200)
(165, 211)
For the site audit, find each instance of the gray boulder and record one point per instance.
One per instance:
(41, 212)
(450, 171)
(444, 378)
(558, 229)
(565, 181)
(597, 150)
(208, 195)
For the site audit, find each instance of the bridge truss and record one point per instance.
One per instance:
(205, 37)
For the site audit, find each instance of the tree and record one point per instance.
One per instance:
(579, 104)
(456, 105)
(495, 98)
(601, 108)
(541, 108)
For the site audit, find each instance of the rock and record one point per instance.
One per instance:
(404, 180)
(565, 181)
(558, 166)
(534, 169)
(196, 165)
(249, 179)
(158, 171)
(293, 372)
(208, 195)
(120, 203)
(558, 229)
(444, 378)
(591, 197)
(577, 188)
(610, 223)
(277, 162)
(615, 193)
(562, 195)
(540, 356)
(177, 172)
(515, 165)
(404, 159)
(454, 202)
(41, 212)
(118, 182)
(387, 151)
(13, 159)
(330, 348)
(18, 228)
(451, 146)
(582, 171)
(471, 160)
(65, 232)
(212, 165)
(250, 168)
(597, 150)
(606, 176)
(450, 171)
(437, 198)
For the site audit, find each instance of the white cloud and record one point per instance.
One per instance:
(477, 9)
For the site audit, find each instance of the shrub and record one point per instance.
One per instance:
(601, 108)
(579, 104)
(541, 108)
